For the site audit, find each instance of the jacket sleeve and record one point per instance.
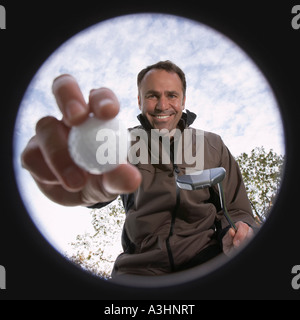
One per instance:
(236, 199)
(100, 205)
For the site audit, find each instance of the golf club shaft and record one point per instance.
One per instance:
(223, 205)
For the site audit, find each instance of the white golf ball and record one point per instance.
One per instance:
(98, 146)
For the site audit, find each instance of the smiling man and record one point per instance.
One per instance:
(162, 95)
(166, 229)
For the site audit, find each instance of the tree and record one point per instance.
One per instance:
(262, 174)
(97, 252)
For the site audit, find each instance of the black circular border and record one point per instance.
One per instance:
(263, 269)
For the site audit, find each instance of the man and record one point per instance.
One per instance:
(166, 229)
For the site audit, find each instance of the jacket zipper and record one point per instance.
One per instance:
(176, 171)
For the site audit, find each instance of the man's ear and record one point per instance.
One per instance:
(183, 103)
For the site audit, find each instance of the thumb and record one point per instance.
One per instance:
(231, 232)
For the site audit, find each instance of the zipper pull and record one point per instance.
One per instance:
(176, 169)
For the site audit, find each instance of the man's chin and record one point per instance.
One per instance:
(162, 127)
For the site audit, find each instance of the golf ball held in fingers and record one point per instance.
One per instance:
(98, 146)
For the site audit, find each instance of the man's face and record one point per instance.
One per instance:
(161, 99)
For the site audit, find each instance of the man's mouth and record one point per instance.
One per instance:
(162, 116)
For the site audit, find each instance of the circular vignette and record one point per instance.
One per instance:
(177, 278)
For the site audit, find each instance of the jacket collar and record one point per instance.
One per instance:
(186, 120)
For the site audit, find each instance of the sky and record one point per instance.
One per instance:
(226, 90)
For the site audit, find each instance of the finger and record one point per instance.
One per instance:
(232, 232)
(227, 243)
(241, 234)
(52, 137)
(125, 179)
(70, 100)
(250, 233)
(33, 160)
(60, 195)
(104, 103)
(227, 240)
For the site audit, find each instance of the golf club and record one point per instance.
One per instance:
(205, 179)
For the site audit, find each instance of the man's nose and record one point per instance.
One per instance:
(162, 104)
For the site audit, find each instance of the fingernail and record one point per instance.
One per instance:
(73, 177)
(62, 79)
(74, 109)
(105, 102)
(106, 109)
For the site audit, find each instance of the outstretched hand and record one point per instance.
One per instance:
(48, 160)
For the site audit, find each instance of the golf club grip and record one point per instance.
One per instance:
(223, 205)
(227, 216)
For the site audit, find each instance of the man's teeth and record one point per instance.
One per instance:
(162, 117)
